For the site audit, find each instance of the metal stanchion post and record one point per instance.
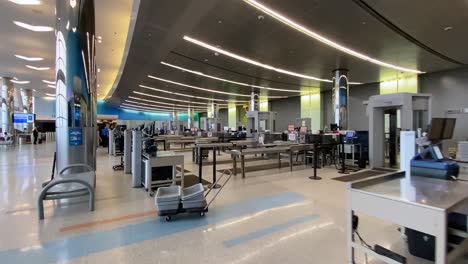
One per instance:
(214, 185)
(315, 177)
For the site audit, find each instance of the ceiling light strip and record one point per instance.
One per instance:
(187, 95)
(33, 28)
(28, 58)
(157, 106)
(256, 63)
(324, 40)
(152, 108)
(48, 82)
(20, 82)
(143, 110)
(225, 80)
(164, 103)
(165, 98)
(207, 90)
(38, 68)
(26, 2)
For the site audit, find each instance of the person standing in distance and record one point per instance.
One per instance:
(35, 135)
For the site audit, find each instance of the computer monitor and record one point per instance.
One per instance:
(437, 152)
(441, 128)
(350, 134)
(437, 128)
(334, 127)
(449, 127)
(303, 129)
(23, 118)
(292, 137)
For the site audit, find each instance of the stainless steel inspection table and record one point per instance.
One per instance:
(162, 159)
(181, 141)
(252, 151)
(415, 202)
(200, 147)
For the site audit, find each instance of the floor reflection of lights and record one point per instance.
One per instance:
(250, 217)
(283, 239)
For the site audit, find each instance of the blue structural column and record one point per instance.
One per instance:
(340, 98)
(76, 129)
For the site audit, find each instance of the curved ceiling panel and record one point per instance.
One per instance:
(238, 27)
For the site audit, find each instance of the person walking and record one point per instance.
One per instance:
(35, 135)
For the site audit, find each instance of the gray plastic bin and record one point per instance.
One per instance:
(168, 194)
(194, 192)
(173, 206)
(194, 204)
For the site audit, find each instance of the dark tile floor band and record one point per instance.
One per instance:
(359, 176)
(192, 179)
(385, 169)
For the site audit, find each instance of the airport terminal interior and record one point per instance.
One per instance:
(234, 131)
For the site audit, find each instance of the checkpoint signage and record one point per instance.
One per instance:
(75, 136)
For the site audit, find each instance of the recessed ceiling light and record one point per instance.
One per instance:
(448, 28)
(48, 82)
(38, 68)
(33, 28)
(26, 2)
(324, 40)
(20, 82)
(98, 69)
(98, 85)
(49, 94)
(207, 90)
(28, 58)
(51, 86)
(225, 80)
(34, 90)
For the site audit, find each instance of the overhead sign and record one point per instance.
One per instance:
(23, 118)
(75, 136)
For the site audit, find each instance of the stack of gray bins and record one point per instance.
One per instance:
(167, 200)
(193, 197)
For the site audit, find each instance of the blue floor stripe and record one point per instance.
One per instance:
(268, 230)
(74, 247)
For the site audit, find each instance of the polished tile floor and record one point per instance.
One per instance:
(272, 216)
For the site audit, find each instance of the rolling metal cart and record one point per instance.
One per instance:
(173, 200)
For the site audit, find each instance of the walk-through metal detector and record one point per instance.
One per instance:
(415, 112)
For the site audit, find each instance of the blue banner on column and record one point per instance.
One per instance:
(75, 136)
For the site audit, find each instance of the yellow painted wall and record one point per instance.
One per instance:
(232, 115)
(263, 105)
(403, 85)
(310, 107)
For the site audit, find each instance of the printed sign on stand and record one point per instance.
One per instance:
(75, 136)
